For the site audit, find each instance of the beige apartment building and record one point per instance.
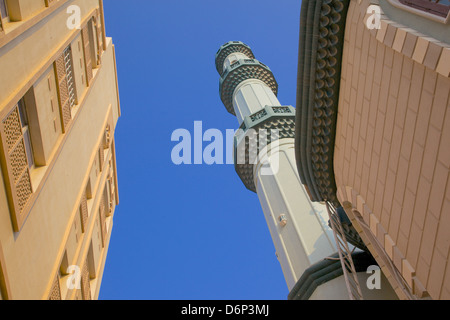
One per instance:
(59, 106)
(373, 130)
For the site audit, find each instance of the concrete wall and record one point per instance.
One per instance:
(47, 114)
(79, 66)
(392, 144)
(22, 9)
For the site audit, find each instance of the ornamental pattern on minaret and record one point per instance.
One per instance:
(236, 64)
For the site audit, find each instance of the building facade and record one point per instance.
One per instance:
(373, 130)
(59, 106)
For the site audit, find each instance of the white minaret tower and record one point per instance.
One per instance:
(267, 166)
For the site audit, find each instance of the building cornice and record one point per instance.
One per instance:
(240, 71)
(326, 270)
(278, 121)
(322, 30)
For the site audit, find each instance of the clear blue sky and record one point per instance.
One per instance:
(190, 231)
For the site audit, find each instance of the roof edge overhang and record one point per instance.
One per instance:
(322, 30)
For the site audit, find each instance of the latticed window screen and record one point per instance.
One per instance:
(85, 282)
(55, 292)
(105, 144)
(112, 185)
(101, 157)
(84, 214)
(102, 215)
(436, 7)
(63, 91)
(15, 141)
(68, 63)
(98, 25)
(87, 53)
(111, 188)
(107, 137)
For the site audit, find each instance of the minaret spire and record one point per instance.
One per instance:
(298, 227)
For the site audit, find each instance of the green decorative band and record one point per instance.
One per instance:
(325, 271)
(229, 48)
(240, 71)
(257, 131)
(322, 28)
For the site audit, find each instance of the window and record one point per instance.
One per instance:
(3, 9)
(55, 292)
(66, 86)
(93, 43)
(26, 132)
(68, 63)
(92, 257)
(107, 197)
(85, 282)
(18, 160)
(107, 137)
(87, 54)
(436, 7)
(64, 266)
(84, 211)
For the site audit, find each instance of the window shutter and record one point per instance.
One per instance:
(99, 35)
(101, 157)
(63, 92)
(18, 175)
(68, 63)
(102, 212)
(107, 137)
(98, 26)
(87, 54)
(84, 212)
(85, 284)
(111, 193)
(55, 292)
